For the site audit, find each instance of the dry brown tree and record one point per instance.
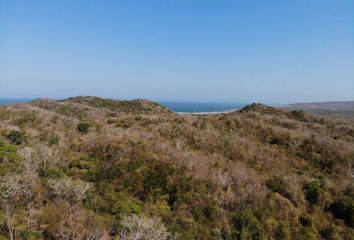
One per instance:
(143, 228)
(11, 188)
(70, 190)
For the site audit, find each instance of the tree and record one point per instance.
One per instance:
(11, 187)
(344, 209)
(140, 228)
(83, 127)
(63, 223)
(16, 137)
(70, 190)
(313, 192)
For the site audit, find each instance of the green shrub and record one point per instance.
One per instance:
(283, 231)
(31, 235)
(9, 160)
(26, 117)
(49, 137)
(105, 199)
(297, 114)
(45, 171)
(83, 127)
(7, 151)
(282, 140)
(326, 164)
(305, 220)
(277, 184)
(16, 137)
(344, 209)
(122, 205)
(247, 226)
(55, 173)
(328, 233)
(313, 192)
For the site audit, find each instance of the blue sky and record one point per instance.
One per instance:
(270, 51)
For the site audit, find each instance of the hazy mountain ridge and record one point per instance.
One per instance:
(102, 167)
(337, 108)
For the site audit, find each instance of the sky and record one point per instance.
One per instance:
(272, 51)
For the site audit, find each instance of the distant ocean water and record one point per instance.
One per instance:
(180, 107)
(14, 100)
(195, 107)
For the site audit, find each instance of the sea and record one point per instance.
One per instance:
(178, 107)
(202, 107)
(14, 100)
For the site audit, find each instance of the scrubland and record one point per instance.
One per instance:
(91, 168)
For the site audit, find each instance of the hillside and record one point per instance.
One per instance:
(92, 168)
(341, 109)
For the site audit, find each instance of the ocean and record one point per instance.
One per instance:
(201, 107)
(179, 107)
(14, 100)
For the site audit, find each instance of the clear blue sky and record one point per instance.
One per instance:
(273, 51)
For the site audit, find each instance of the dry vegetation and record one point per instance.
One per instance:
(91, 168)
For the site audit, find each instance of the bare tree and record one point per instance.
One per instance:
(11, 187)
(31, 217)
(142, 228)
(30, 162)
(70, 190)
(179, 144)
(77, 225)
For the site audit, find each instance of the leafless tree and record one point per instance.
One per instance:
(31, 164)
(179, 144)
(11, 186)
(32, 219)
(142, 228)
(68, 189)
(77, 225)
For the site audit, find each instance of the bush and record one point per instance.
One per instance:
(297, 114)
(16, 137)
(155, 180)
(277, 184)
(283, 231)
(313, 192)
(328, 233)
(31, 235)
(141, 227)
(8, 159)
(344, 209)
(247, 226)
(50, 138)
(305, 220)
(83, 127)
(7, 151)
(282, 140)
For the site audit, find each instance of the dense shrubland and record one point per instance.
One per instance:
(91, 168)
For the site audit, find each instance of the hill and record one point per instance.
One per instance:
(92, 168)
(339, 109)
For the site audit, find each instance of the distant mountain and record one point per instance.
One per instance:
(339, 108)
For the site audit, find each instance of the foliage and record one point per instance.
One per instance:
(83, 127)
(344, 209)
(297, 114)
(50, 138)
(258, 173)
(140, 227)
(7, 151)
(313, 192)
(16, 137)
(247, 226)
(277, 184)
